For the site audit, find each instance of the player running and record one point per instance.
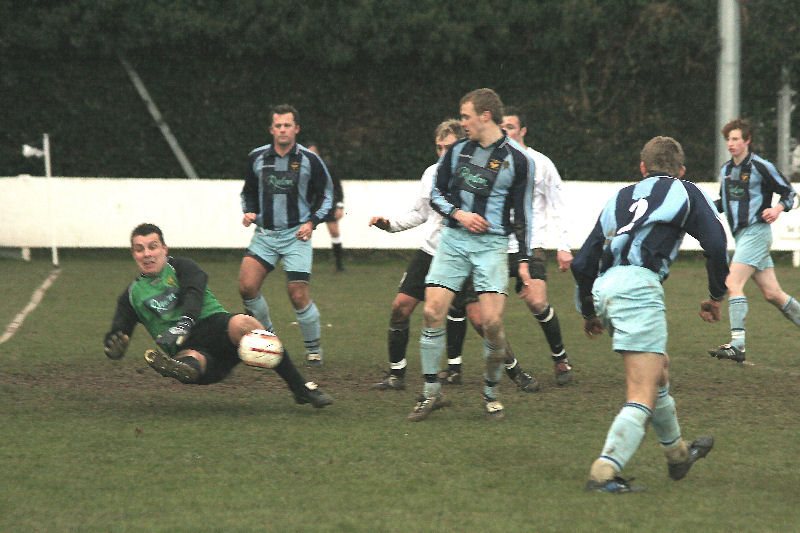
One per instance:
(619, 271)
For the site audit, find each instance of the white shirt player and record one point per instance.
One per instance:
(421, 213)
(547, 202)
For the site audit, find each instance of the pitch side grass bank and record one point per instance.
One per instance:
(91, 444)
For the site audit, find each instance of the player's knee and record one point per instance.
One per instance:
(433, 316)
(492, 329)
(536, 305)
(401, 314)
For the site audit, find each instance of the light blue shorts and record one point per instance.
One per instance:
(270, 246)
(629, 301)
(462, 253)
(752, 246)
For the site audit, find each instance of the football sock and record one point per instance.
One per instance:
(552, 330)
(289, 372)
(510, 359)
(494, 354)
(456, 332)
(336, 244)
(665, 418)
(737, 309)
(398, 342)
(625, 434)
(259, 309)
(454, 364)
(431, 346)
(791, 310)
(432, 386)
(308, 318)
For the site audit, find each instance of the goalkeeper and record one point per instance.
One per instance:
(196, 338)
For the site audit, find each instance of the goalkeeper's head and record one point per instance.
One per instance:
(149, 249)
(662, 155)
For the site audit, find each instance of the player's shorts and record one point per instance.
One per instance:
(629, 301)
(210, 337)
(536, 268)
(461, 252)
(752, 246)
(270, 246)
(413, 281)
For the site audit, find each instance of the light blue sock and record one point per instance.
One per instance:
(737, 309)
(431, 346)
(260, 310)
(665, 418)
(308, 318)
(791, 310)
(625, 434)
(494, 356)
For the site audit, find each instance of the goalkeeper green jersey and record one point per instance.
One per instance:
(158, 302)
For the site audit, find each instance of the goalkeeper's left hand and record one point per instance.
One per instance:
(176, 335)
(709, 310)
(115, 344)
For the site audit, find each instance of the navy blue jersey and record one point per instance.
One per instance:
(746, 190)
(287, 191)
(644, 225)
(495, 182)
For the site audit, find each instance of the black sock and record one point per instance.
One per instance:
(398, 342)
(456, 332)
(551, 328)
(337, 254)
(289, 373)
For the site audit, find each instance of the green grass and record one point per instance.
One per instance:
(91, 444)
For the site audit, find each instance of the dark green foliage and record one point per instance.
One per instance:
(372, 79)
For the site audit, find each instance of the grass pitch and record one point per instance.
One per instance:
(92, 444)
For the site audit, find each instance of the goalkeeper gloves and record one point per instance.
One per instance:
(115, 344)
(175, 336)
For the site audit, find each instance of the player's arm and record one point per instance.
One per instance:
(585, 268)
(703, 224)
(440, 186)
(249, 195)
(320, 189)
(776, 183)
(115, 342)
(418, 213)
(192, 281)
(556, 208)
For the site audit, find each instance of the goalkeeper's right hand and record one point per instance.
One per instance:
(115, 344)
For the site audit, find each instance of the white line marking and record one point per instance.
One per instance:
(38, 294)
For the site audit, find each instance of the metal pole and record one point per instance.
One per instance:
(784, 122)
(728, 76)
(48, 171)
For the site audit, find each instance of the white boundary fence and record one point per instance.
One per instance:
(100, 213)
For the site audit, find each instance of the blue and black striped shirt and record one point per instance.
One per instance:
(644, 225)
(287, 191)
(495, 182)
(746, 190)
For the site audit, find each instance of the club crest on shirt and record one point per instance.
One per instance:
(745, 176)
(494, 165)
(294, 166)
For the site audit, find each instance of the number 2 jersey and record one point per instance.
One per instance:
(158, 302)
(644, 225)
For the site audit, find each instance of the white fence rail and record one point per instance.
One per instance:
(100, 213)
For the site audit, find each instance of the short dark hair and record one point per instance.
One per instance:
(663, 154)
(146, 229)
(282, 109)
(739, 124)
(511, 111)
(485, 100)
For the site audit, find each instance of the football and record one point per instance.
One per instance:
(261, 348)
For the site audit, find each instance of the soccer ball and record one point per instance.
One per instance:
(261, 348)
